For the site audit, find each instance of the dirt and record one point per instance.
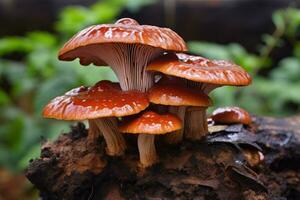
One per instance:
(225, 165)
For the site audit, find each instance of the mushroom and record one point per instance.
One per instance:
(231, 115)
(175, 94)
(252, 156)
(126, 46)
(147, 125)
(203, 74)
(100, 105)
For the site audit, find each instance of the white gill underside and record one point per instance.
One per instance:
(129, 61)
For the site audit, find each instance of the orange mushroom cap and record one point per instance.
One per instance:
(152, 123)
(172, 92)
(231, 115)
(126, 31)
(104, 99)
(199, 69)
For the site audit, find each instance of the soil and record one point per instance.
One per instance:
(258, 162)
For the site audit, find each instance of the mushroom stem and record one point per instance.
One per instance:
(129, 61)
(196, 120)
(204, 87)
(93, 131)
(147, 150)
(177, 136)
(114, 140)
(196, 123)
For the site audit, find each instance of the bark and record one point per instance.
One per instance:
(213, 168)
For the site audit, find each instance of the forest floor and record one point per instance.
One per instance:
(225, 165)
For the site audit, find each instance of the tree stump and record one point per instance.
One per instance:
(224, 165)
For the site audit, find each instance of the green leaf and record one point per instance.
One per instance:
(209, 50)
(293, 21)
(269, 40)
(11, 133)
(248, 61)
(14, 44)
(24, 86)
(31, 41)
(105, 12)
(32, 153)
(223, 96)
(278, 19)
(4, 98)
(41, 39)
(40, 63)
(57, 128)
(52, 88)
(92, 74)
(73, 19)
(135, 5)
(288, 70)
(297, 50)
(13, 71)
(17, 77)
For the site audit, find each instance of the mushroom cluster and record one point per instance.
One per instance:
(161, 90)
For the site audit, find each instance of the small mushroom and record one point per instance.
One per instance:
(126, 46)
(253, 156)
(100, 105)
(231, 115)
(147, 125)
(175, 94)
(203, 74)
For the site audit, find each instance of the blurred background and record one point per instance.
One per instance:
(260, 35)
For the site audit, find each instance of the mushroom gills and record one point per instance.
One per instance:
(129, 61)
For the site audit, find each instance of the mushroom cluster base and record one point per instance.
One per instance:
(213, 168)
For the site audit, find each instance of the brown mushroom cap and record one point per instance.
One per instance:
(199, 69)
(172, 92)
(104, 99)
(152, 123)
(231, 115)
(126, 31)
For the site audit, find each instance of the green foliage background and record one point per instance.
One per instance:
(274, 94)
(30, 83)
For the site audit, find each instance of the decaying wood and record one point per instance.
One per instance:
(218, 167)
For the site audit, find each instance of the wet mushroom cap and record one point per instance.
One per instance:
(176, 94)
(199, 69)
(231, 115)
(125, 31)
(104, 99)
(152, 123)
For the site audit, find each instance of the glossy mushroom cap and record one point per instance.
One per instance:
(174, 93)
(125, 31)
(152, 123)
(104, 99)
(231, 115)
(199, 69)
